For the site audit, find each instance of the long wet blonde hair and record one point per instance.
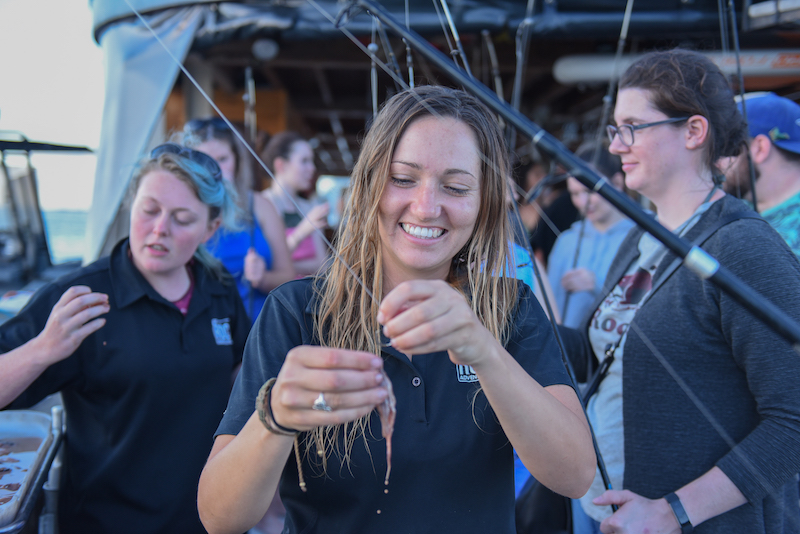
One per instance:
(346, 312)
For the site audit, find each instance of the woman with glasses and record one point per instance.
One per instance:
(290, 158)
(142, 346)
(698, 416)
(256, 253)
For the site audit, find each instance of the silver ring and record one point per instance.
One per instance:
(321, 405)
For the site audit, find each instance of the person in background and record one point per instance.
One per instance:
(290, 158)
(466, 351)
(256, 253)
(579, 261)
(142, 346)
(556, 214)
(774, 127)
(521, 264)
(698, 417)
(527, 174)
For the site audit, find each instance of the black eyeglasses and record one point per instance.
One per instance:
(625, 131)
(204, 160)
(195, 125)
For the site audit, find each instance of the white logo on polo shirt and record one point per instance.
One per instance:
(222, 331)
(466, 373)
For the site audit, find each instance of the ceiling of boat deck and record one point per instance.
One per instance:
(294, 48)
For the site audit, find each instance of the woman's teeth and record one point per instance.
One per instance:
(425, 233)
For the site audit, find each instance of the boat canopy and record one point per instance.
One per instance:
(140, 71)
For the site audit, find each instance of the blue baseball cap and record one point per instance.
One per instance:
(774, 116)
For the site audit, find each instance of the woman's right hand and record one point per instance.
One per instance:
(254, 267)
(350, 381)
(316, 218)
(75, 316)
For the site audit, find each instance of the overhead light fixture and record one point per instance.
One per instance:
(265, 49)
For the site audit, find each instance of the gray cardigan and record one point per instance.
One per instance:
(732, 365)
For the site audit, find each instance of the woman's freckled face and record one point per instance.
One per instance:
(429, 206)
(168, 223)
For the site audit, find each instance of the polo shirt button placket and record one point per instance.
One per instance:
(416, 381)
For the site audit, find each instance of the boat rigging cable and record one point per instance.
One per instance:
(600, 134)
(373, 70)
(694, 258)
(498, 81)
(389, 53)
(750, 165)
(251, 128)
(521, 51)
(409, 57)
(459, 51)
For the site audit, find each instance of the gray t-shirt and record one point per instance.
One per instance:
(608, 326)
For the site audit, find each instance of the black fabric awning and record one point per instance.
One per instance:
(303, 20)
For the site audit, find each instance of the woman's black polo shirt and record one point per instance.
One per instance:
(452, 465)
(143, 396)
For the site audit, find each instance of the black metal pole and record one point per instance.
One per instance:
(698, 260)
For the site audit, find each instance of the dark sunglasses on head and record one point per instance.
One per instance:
(204, 160)
(196, 125)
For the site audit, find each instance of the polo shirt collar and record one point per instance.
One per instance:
(129, 285)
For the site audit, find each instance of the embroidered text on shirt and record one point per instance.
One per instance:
(466, 373)
(222, 331)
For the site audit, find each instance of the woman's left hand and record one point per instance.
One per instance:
(580, 279)
(637, 514)
(424, 316)
(254, 267)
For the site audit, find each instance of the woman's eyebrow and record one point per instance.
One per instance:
(458, 171)
(416, 166)
(447, 172)
(629, 120)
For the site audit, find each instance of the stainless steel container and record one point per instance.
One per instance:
(19, 430)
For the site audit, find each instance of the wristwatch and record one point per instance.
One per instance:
(680, 514)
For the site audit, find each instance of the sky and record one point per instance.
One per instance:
(52, 90)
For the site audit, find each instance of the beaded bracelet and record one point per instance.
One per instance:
(264, 400)
(264, 409)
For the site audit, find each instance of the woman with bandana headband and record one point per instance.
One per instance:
(255, 253)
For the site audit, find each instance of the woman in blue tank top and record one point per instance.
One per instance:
(256, 255)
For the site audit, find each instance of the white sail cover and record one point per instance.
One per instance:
(139, 75)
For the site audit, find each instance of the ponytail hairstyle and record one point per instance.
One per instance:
(683, 83)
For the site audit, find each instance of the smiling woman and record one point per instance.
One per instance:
(428, 210)
(415, 298)
(700, 399)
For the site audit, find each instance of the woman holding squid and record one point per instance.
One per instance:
(413, 295)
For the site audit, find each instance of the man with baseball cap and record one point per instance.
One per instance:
(774, 125)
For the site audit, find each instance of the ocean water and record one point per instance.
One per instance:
(66, 233)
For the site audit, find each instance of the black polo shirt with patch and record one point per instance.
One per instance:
(143, 396)
(452, 465)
